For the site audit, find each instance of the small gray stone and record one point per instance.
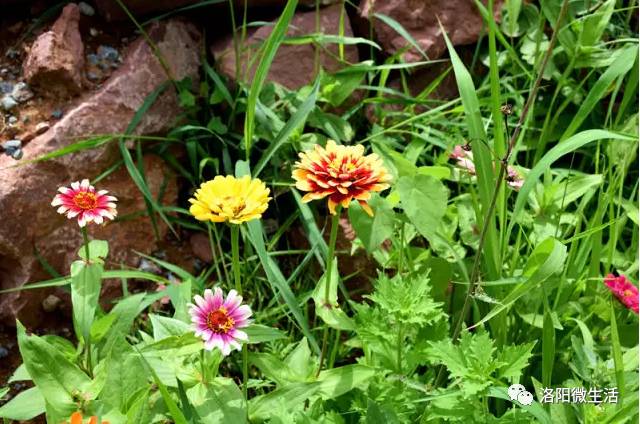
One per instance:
(93, 32)
(3, 352)
(6, 87)
(86, 9)
(12, 53)
(93, 59)
(92, 76)
(17, 154)
(11, 144)
(21, 92)
(42, 127)
(57, 114)
(108, 53)
(12, 120)
(51, 303)
(8, 102)
(146, 265)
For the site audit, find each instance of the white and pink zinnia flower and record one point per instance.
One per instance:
(218, 320)
(83, 202)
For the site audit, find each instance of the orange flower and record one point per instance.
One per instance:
(341, 173)
(76, 418)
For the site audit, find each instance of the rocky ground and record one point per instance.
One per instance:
(79, 71)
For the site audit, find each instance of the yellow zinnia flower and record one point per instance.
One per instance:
(230, 199)
(342, 173)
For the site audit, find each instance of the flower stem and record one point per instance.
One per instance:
(235, 264)
(87, 335)
(330, 254)
(85, 239)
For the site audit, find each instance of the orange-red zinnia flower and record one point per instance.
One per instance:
(83, 202)
(341, 173)
(76, 418)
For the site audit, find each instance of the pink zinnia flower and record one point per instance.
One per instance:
(464, 160)
(624, 290)
(217, 320)
(81, 200)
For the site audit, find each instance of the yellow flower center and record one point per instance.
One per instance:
(627, 293)
(219, 321)
(86, 200)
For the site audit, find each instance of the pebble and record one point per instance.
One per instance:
(8, 102)
(86, 9)
(92, 76)
(51, 303)
(12, 53)
(3, 352)
(6, 87)
(57, 114)
(21, 92)
(11, 145)
(108, 53)
(93, 32)
(4, 71)
(148, 266)
(42, 127)
(12, 120)
(93, 59)
(13, 148)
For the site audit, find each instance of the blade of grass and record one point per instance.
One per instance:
(296, 121)
(268, 54)
(397, 27)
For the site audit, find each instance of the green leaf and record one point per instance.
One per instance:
(328, 309)
(424, 201)
(125, 313)
(618, 68)
(98, 249)
(60, 381)
(296, 121)
(514, 359)
(373, 230)
(268, 54)
(20, 374)
(25, 406)
(218, 401)
(174, 411)
(548, 348)
(277, 281)
(290, 396)
(123, 370)
(482, 155)
(85, 292)
(545, 260)
(261, 333)
(338, 381)
(166, 327)
(397, 27)
(569, 145)
(534, 409)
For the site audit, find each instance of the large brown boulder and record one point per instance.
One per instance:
(460, 19)
(56, 58)
(293, 65)
(29, 224)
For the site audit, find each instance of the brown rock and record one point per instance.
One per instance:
(56, 57)
(293, 65)
(111, 11)
(460, 19)
(30, 224)
(201, 247)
